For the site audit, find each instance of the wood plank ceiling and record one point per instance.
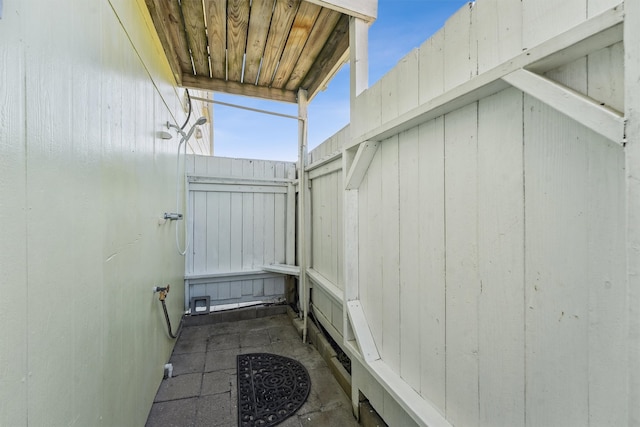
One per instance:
(260, 48)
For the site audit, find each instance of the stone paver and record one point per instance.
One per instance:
(179, 387)
(174, 413)
(203, 391)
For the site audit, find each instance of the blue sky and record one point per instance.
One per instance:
(402, 25)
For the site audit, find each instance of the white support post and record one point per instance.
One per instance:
(290, 243)
(303, 209)
(578, 107)
(358, 58)
(632, 151)
(359, 81)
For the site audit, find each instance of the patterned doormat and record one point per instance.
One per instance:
(271, 388)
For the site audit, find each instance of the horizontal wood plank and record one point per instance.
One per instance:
(329, 288)
(291, 270)
(238, 188)
(237, 88)
(330, 59)
(216, 12)
(302, 25)
(158, 18)
(259, 22)
(194, 26)
(321, 32)
(281, 21)
(237, 26)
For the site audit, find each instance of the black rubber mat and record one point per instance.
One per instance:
(271, 388)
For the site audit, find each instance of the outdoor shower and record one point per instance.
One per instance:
(174, 216)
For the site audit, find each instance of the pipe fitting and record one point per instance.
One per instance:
(168, 370)
(172, 216)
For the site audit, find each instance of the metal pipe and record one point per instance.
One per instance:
(163, 295)
(302, 209)
(257, 110)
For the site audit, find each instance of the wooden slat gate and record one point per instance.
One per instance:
(238, 224)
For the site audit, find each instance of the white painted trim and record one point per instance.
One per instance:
(304, 242)
(238, 188)
(578, 107)
(351, 245)
(229, 276)
(327, 159)
(363, 9)
(326, 169)
(330, 289)
(289, 270)
(200, 179)
(360, 164)
(362, 332)
(632, 165)
(421, 410)
(290, 242)
(358, 58)
(596, 33)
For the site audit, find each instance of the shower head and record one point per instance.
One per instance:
(200, 121)
(185, 136)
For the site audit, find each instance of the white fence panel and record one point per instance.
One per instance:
(543, 19)
(238, 224)
(491, 245)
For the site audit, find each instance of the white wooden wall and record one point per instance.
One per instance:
(327, 243)
(491, 238)
(238, 214)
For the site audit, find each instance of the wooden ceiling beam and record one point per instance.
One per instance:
(283, 15)
(332, 54)
(158, 18)
(194, 25)
(217, 31)
(259, 22)
(237, 88)
(325, 24)
(366, 10)
(302, 27)
(237, 28)
(171, 25)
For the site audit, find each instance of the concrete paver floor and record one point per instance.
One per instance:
(203, 389)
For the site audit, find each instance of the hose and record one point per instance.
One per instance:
(163, 296)
(166, 316)
(186, 207)
(186, 91)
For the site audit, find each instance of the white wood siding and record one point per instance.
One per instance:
(326, 177)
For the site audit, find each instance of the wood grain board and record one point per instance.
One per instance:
(251, 47)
